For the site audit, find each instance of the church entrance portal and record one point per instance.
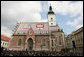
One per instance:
(30, 44)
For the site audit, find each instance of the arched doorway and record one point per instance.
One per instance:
(73, 43)
(30, 43)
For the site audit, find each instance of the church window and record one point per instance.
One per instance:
(52, 42)
(19, 42)
(43, 42)
(3, 43)
(51, 19)
(51, 23)
(59, 40)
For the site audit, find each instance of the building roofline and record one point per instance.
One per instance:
(78, 30)
(33, 22)
(5, 38)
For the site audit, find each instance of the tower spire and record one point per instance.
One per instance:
(51, 17)
(50, 8)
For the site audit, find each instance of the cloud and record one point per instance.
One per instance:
(19, 11)
(77, 22)
(67, 7)
(45, 6)
(71, 9)
(44, 20)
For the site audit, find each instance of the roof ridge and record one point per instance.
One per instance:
(34, 22)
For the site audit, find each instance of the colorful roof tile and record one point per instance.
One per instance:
(38, 27)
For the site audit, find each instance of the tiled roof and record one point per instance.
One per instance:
(5, 38)
(23, 28)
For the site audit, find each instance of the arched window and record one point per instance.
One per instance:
(60, 40)
(19, 42)
(43, 42)
(52, 42)
(51, 23)
(51, 19)
(73, 43)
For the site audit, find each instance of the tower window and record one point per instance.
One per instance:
(51, 19)
(51, 23)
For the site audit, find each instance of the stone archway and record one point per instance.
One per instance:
(30, 44)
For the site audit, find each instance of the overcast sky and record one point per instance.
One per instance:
(69, 14)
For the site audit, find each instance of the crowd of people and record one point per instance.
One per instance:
(38, 53)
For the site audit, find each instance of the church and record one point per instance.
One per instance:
(38, 36)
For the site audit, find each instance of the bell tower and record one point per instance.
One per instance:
(51, 17)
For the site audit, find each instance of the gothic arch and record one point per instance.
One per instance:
(29, 44)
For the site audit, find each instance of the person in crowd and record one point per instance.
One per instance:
(38, 53)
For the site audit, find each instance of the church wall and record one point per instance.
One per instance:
(56, 46)
(38, 42)
(13, 44)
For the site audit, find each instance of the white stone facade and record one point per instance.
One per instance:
(52, 19)
(4, 44)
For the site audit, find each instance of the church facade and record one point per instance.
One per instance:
(38, 36)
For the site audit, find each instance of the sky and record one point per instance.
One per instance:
(69, 14)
